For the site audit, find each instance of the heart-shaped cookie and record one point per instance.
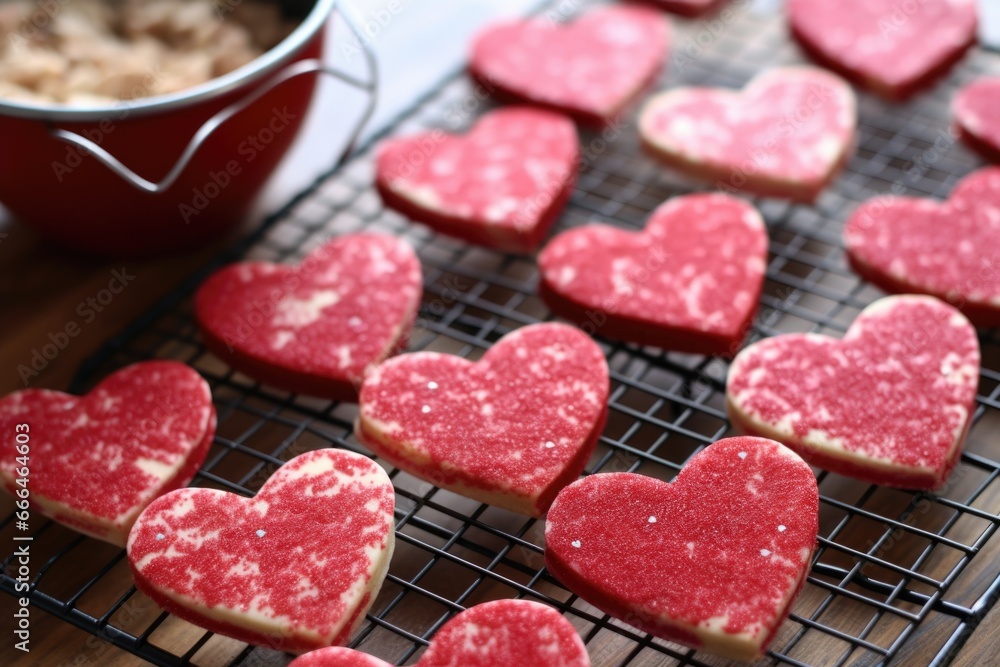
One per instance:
(294, 568)
(94, 462)
(946, 249)
(786, 134)
(890, 403)
(894, 48)
(591, 68)
(690, 281)
(713, 560)
(500, 185)
(512, 633)
(977, 114)
(509, 430)
(315, 328)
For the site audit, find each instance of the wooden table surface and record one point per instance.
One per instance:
(43, 289)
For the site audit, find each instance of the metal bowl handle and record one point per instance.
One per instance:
(296, 69)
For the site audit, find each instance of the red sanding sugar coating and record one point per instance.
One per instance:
(712, 561)
(294, 568)
(96, 461)
(591, 68)
(890, 403)
(786, 134)
(947, 249)
(690, 281)
(315, 328)
(894, 47)
(501, 185)
(507, 633)
(337, 656)
(977, 114)
(510, 430)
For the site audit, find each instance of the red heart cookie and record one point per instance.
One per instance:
(946, 249)
(315, 328)
(512, 633)
(889, 404)
(295, 567)
(337, 656)
(892, 47)
(509, 430)
(786, 134)
(591, 68)
(977, 114)
(690, 281)
(141, 432)
(713, 560)
(501, 185)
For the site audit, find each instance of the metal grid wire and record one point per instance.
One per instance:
(896, 572)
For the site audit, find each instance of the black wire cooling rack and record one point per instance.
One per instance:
(897, 574)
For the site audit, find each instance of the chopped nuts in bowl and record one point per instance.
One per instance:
(96, 52)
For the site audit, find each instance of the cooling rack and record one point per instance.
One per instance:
(897, 573)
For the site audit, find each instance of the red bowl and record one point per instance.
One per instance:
(161, 174)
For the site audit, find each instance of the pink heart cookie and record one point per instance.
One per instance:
(295, 567)
(977, 114)
(945, 249)
(94, 462)
(890, 403)
(713, 560)
(315, 328)
(591, 68)
(511, 633)
(509, 430)
(787, 134)
(894, 48)
(500, 185)
(690, 281)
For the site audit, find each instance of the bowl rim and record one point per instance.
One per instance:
(258, 68)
